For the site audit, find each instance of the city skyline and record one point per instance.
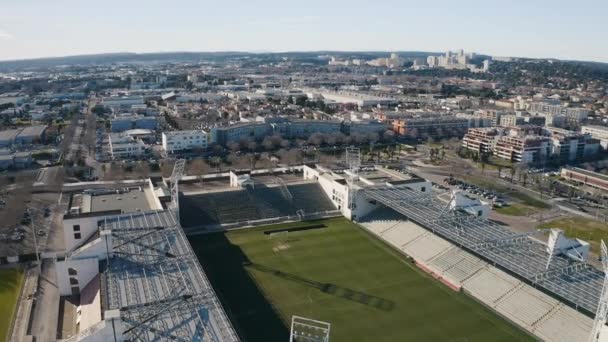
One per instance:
(36, 29)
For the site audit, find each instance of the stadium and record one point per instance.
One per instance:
(314, 253)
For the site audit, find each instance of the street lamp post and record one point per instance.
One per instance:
(39, 265)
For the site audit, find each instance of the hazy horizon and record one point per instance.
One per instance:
(545, 29)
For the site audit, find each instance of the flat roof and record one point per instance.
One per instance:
(9, 134)
(121, 201)
(34, 131)
(132, 201)
(588, 173)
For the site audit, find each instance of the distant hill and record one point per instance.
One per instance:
(193, 57)
(166, 57)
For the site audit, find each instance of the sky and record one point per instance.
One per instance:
(532, 28)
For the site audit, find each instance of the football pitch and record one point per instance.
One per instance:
(336, 272)
(11, 280)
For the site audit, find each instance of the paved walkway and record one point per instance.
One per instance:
(26, 300)
(45, 312)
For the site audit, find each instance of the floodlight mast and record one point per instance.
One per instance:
(176, 176)
(602, 308)
(353, 162)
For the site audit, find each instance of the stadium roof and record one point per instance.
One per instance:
(154, 278)
(577, 284)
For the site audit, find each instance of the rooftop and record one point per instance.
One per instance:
(157, 283)
(122, 200)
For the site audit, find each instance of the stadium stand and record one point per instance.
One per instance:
(491, 284)
(457, 265)
(426, 247)
(531, 309)
(564, 325)
(262, 202)
(525, 306)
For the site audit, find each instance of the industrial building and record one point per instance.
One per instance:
(128, 121)
(117, 102)
(585, 177)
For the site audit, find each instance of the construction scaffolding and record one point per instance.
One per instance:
(576, 283)
(154, 278)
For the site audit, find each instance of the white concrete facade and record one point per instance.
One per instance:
(176, 141)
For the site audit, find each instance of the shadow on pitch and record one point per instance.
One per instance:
(331, 289)
(254, 318)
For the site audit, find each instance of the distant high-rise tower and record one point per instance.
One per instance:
(486, 65)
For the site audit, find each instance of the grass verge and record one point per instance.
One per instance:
(11, 280)
(583, 228)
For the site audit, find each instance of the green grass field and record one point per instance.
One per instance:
(583, 228)
(516, 209)
(11, 281)
(339, 274)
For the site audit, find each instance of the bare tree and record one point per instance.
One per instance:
(166, 168)
(268, 144)
(252, 145)
(234, 146)
(142, 169)
(198, 167)
(316, 139)
(238, 162)
(388, 136)
(216, 162)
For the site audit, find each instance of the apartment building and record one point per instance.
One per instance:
(570, 146)
(556, 109)
(436, 127)
(125, 146)
(526, 149)
(597, 132)
(512, 120)
(178, 141)
(481, 140)
(531, 144)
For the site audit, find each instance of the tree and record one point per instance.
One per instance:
(388, 136)
(316, 139)
(216, 162)
(253, 159)
(234, 146)
(142, 169)
(198, 167)
(512, 171)
(252, 145)
(268, 143)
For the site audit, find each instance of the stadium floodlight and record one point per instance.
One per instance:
(599, 323)
(308, 330)
(176, 176)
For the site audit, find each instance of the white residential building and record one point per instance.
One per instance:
(176, 141)
(597, 132)
(125, 146)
